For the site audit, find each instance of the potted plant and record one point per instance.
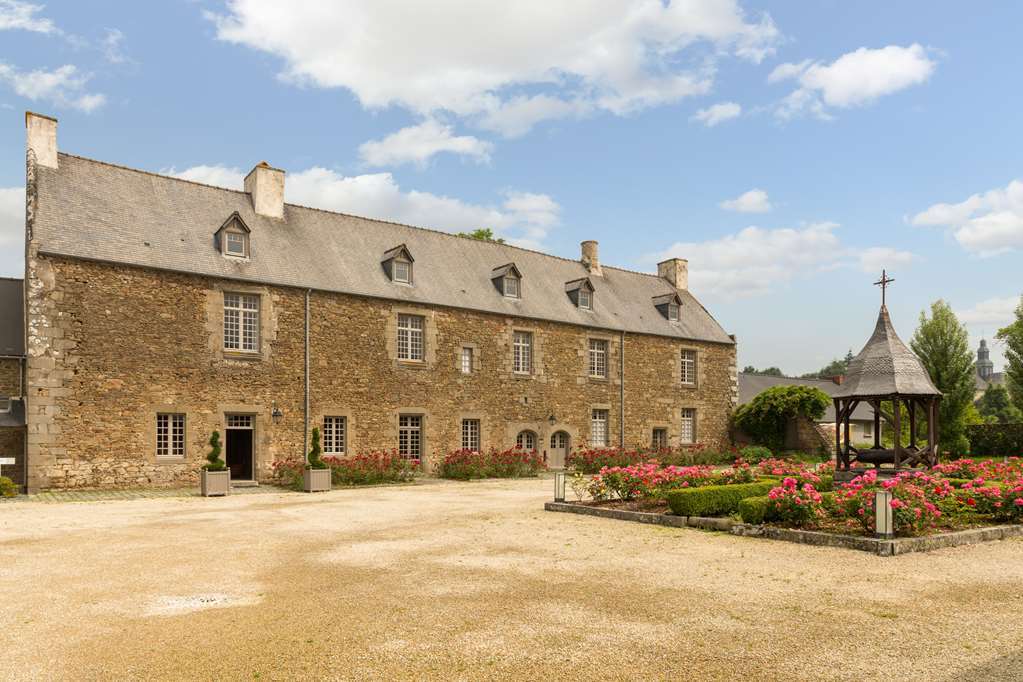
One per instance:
(215, 478)
(316, 477)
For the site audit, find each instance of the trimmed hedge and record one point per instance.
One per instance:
(756, 510)
(995, 440)
(715, 500)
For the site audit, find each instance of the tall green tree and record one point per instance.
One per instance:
(484, 234)
(942, 344)
(1012, 336)
(996, 407)
(769, 372)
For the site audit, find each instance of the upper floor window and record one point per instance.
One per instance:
(689, 367)
(410, 337)
(397, 263)
(511, 287)
(236, 244)
(170, 435)
(669, 305)
(508, 280)
(522, 353)
(585, 299)
(471, 434)
(403, 272)
(598, 358)
(241, 322)
(233, 237)
(673, 312)
(335, 432)
(466, 363)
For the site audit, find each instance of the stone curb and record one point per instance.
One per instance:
(671, 520)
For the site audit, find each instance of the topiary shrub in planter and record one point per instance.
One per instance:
(8, 488)
(316, 475)
(714, 500)
(215, 477)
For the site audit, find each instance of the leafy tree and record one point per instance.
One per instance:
(314, 460)
(213, 461)
(484, 234)
(764, 418)
(836, 367)
(942, 344)
(996, 407)
(1012, 336)
(769, 372)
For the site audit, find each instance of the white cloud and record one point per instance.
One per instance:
(878, 258)
(111, 45)
(505, 66)
(717, 113)
(992, 312)
(985, 224)
(855, 79)
(17, 15)
(753, 201)
(63, 86)
(418, 143)
(522, 218)
(12, 231)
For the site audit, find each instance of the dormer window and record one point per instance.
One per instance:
(585, 300)
(673, 312)
(233, 237)
(236, 244)
(669, 306)
(397, 263)
(508, 280)
(580, 291)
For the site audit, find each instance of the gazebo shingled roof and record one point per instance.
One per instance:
(885, 367)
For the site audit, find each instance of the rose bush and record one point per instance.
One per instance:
(464, 465)
(917, 503)
(796, 504)
(362, 469)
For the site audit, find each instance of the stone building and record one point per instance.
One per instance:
(12, 384)
(986, 375)
(160, 309)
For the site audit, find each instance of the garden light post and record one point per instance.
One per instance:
(559, 486)
(884, 524)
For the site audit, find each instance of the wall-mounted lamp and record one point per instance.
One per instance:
(552, 420)
(276, 414)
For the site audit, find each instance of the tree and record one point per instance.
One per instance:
(834, 368)
(769, 372)
(314, 460)
(996, 407)
(764, 418)
(213, 461)
(484, 234)
(942, 344)
(1012, 336)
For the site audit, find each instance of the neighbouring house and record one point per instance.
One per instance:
(800, 436)
(159, 310)
(986, 375)
(12, 383)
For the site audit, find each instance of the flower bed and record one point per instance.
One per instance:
(592, 460)
(464, 465)
(363, 469)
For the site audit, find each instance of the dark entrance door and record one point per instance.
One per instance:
(239, 446)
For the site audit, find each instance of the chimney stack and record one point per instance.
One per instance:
(590, 259)
(41, 134)
(676, 271)
(266, 186)
(838, 379)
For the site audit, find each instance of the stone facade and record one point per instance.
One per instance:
(10, 377)
(111, 347)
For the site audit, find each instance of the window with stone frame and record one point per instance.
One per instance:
(598, 358)
(411, 345)
(410, 437)
(236, 244)
(688, 357)
(241, 322)
(5, 403)
(471, 434)
(466, 360)
(335, 435)
(598, 429)
(526, 440)
(659, 441)
(522, 352)
(170, 435)
(687, 434)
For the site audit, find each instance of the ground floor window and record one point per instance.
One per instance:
(410, 437)
(170, 435)
(868, 429)
(335, 432)
(660, 439)
(598, 428)
(526, 440)
(471, 434)
(688, 433)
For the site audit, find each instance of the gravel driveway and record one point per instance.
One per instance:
(475, 581)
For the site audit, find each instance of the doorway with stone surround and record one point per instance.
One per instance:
(558, 452)
(241, 447)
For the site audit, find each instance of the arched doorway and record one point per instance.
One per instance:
(560, 443)
(526, 440)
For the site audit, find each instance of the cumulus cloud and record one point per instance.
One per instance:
(12, 231)
(753, 201)
(523, 218)
(992, 312)
(417, 144)
(855, 79)
(504, 66)
(23, 16)
(878, 258)
(64, 86)
(717, 113)
(985, 224)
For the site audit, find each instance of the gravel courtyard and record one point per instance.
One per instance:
(475, 581)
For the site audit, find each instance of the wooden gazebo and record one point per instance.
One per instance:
(886, 371)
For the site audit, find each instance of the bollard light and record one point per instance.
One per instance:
(559, 486)
(884, 523)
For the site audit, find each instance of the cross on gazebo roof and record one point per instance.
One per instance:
(883, 283)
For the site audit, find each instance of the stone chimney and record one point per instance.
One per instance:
(590, 258)
(41, 133)
(266, 186)
(676, 271)
(838, 379)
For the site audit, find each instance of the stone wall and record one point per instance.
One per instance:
(112, 346)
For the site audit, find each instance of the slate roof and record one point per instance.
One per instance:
(99, 211)
(751, 385)
(886, 366)
(12, 317)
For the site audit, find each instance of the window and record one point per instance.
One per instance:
(585, 299)
(511, 286)
(402, 271)
(688, 434)
(410, 337)
(170, 435)
(673, 312)
(526, 440)
(471, 434)
(660, 439)
(689, 367)
(335, 430)
(522, 353)
(466, 360)
(559, 440)
(239, 421)
(598, 428)
(236, 244)
(598, 358)
(868, 429)
(241, 322)
(410, 437)
(5, 404)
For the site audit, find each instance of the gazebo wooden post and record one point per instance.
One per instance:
(897, 416)
(845, 428)
(840, 460)
(911, 404)
(876, 404)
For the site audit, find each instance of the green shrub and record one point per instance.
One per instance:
(995, 440)
(714, 500)
(7, 487)
(213, 461)
(764, 418)
(757, 510)
(315, 461)
(755, 454)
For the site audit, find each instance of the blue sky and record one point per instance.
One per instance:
(788, 150)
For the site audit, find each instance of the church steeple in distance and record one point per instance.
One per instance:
(985, 368)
